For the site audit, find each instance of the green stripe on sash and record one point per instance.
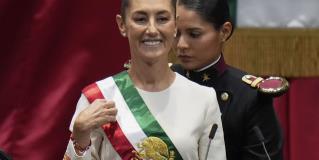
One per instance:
(141, 112)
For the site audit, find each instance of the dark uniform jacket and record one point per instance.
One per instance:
(243, 108)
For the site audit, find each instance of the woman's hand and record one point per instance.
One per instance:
(99, 112)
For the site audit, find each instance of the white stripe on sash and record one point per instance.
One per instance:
(125, 118)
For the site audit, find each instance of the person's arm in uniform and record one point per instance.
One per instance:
(261, 117)
(261, 114)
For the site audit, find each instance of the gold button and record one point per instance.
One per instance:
(224, 96)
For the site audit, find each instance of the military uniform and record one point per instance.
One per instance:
(243, 108)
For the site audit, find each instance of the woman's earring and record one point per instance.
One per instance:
(124, 34)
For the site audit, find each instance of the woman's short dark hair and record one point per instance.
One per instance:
(215, 12)
(125, 4)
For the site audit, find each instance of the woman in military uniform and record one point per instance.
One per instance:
(204, 26)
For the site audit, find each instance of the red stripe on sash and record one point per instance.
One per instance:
(112, 130)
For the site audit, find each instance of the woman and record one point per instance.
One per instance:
(147, 112)
(204, 26)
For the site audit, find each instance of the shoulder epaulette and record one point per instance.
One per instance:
(272, 86)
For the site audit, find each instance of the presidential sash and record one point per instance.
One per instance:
(136, 134)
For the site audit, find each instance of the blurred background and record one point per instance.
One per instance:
(51, 49)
